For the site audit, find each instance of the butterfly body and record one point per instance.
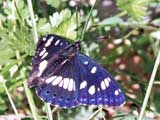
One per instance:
(65, 77)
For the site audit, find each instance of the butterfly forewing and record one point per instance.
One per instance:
(47, 47)
(47, 50)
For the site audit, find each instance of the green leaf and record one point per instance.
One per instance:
(55, 3)
(3, 105)
(64, 24)
(135, 8)
(111, 21)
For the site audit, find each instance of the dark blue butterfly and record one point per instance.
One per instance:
(65, 77)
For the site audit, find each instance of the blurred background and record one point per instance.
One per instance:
(123, 36)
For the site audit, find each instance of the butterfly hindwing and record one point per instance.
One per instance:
(59, 89)
(96, 86)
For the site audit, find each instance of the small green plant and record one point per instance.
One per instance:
(126, 44)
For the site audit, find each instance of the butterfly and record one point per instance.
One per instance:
(64, 77)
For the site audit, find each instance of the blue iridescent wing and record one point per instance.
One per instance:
(54, 83)
(76, 81)
(59, 89)
(96, 86)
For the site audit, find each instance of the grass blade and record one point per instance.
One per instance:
(151, 82)
(9, 97)
(49, 112)
(85, 26)
(30, 101)
(30, 8)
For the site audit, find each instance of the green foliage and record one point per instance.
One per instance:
(63, 24)
(135, 8)
(55, 3)
(107, 40)
(111, 21)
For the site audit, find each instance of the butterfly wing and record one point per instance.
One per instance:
(96, 86)
(76, 81)
(47, 50)
(47, 46)
(59, 89)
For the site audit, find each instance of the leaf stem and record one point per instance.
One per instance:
(94, 114)
(151, 82)
(121, 14)
(28, 94)
(30, 8)
(30, 101)
(35, 34)
(9, 97)
(86, 24)
(48, 110)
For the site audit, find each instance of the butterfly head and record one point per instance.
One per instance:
(71, 50)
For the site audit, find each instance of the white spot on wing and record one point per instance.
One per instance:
(93, 70)
(57, 80)
(116, 92)
(91, 90)
(61, 44)
(106, 82)
(65, 83)
(42, 52)
(74, 86)
(98, 89)
(86, 62)
(49, 80)
(119, 90)
(48, 43)
(103, 86)
(42, 66)
(57, 42)
(83, 84)
(44, 55)
(109, 79)
(71, 85)
(44, 39)
(61, 83)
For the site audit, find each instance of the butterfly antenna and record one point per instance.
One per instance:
(86, 24)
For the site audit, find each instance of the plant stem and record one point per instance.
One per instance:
(28, 94)
(157, 82)
(94, 114)
(86, 24)
(9, 97)
(121, 14)
(30, 8)
(48, 110)
(151, 82)
(30, 101)
(35, 34)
